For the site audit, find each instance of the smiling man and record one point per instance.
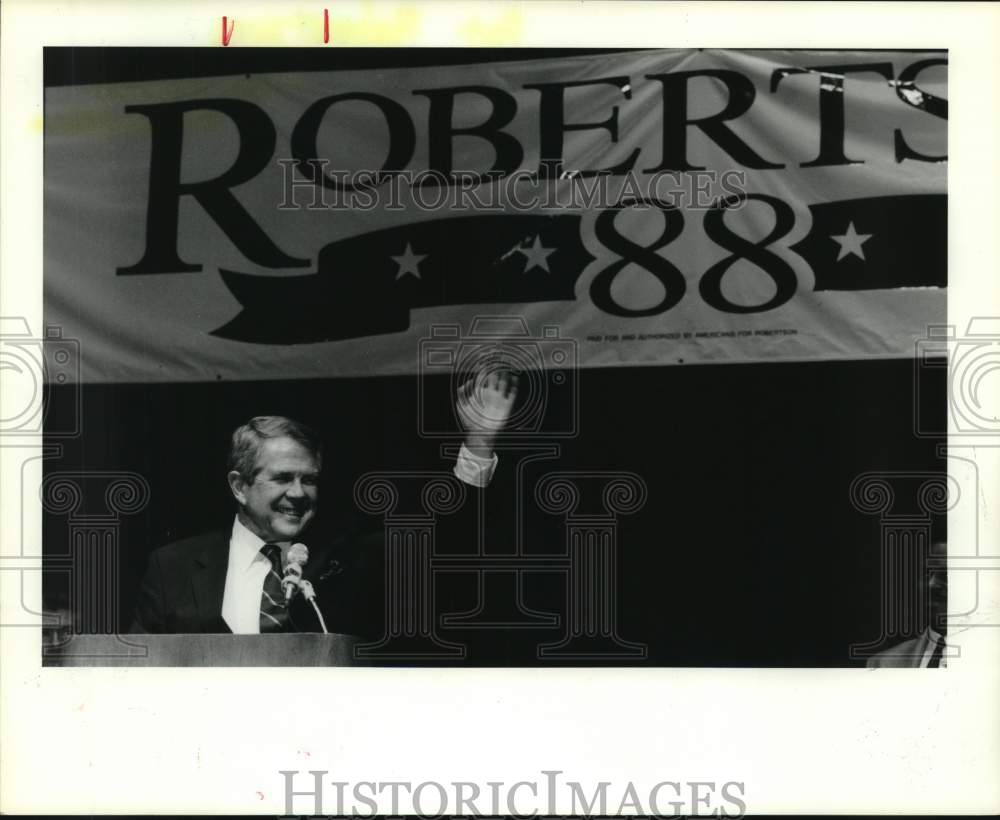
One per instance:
(231, 581)
(274, 467)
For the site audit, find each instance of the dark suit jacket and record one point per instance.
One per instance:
(907, 654)
(184, 583)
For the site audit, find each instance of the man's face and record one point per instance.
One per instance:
(280, 502)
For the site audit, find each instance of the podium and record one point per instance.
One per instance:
(297, 649)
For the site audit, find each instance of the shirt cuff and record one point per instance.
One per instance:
(473, 469)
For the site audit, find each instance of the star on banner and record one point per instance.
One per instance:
(408, 263)
(850, 242)
(535, 256)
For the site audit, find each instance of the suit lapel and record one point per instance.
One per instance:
(923, 643)
(911, 652)
(209, 582)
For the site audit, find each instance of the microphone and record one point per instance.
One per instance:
(298, 554)
(310, 595)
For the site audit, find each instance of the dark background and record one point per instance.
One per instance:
(748, 551)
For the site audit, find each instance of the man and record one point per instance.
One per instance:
(231, 581)
(929, 649)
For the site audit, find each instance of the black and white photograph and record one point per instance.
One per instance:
(496, 357)
(639, 377)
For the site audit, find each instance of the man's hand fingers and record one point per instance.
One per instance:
(505, 381)
(511, 390)
(467, 390)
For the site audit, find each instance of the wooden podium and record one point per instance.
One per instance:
(300, 649)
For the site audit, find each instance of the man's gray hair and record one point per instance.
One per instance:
(250, 437)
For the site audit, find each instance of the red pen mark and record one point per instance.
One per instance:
(326, 25)
(227, 32)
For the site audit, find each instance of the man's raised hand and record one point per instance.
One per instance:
(483, 404)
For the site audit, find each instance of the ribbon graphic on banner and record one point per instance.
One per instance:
(366, 285)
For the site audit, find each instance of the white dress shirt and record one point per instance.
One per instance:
(473, 469)
(245, 577)
(248, 568)
(934, 639)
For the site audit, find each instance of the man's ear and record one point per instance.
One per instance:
(238, 486)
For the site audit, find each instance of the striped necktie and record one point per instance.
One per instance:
(274, 615)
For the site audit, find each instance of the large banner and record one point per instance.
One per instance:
(646, 207)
